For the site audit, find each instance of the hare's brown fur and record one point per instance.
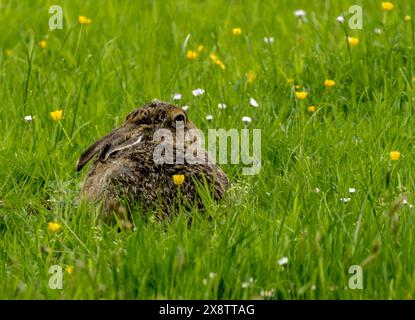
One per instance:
(125, 167)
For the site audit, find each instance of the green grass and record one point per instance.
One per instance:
(133, 52)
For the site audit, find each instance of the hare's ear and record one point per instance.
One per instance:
(90, 152)
(111, 148)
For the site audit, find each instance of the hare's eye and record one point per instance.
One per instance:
(180, 118)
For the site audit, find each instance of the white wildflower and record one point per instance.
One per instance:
(267, 293)
(283, 261)
(299, 13)
(253, 103)
(246, 120)
(177, 96)
(198, 92)
(269, 39)
(340, 19)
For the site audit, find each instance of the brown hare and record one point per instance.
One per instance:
(130, 165)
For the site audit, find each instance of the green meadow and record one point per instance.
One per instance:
(330, 194)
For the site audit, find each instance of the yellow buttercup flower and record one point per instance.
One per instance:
(84, 20)
(250, 77)
(329, 83)
(200, 48)
(395, 155)
(311, 109)
(387, 6)
(43, 44)
(191, 55)
(301, 95)
(69, 269)
(353, 41)
(236, 31)
(220, 64)
(54, 227)
(213, 57)
(178, 179)
(57, 115)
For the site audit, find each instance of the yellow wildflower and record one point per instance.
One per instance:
(311, 109)
(178, 179)
(329, 83)
(57, 115)
(54, 227)
(213, 57)
(236, 31)
(408, 18)
(69, 269)
(84, 20)
(353, 41)
(200, 48)
(220, 64)
(43, 44)
(191, 55)
(395, 155)
(250, 77)
(301, 95)
(387, 6)
(290, 81)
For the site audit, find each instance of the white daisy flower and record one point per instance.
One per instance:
(317, 190)
(378, 31)
(177, 96)
(283, 261)
(222, 106)
(352, 190)
(209, 117)
(340, 19)
(248, 284)
(345, 200)
(28, 118)
(269, 39)
(198, 92)
(299, 13)
(253, 103)
(267, 293)
(246, 120)
(185, 108)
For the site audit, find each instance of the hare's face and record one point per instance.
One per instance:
(139, 125)
(158, 115)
